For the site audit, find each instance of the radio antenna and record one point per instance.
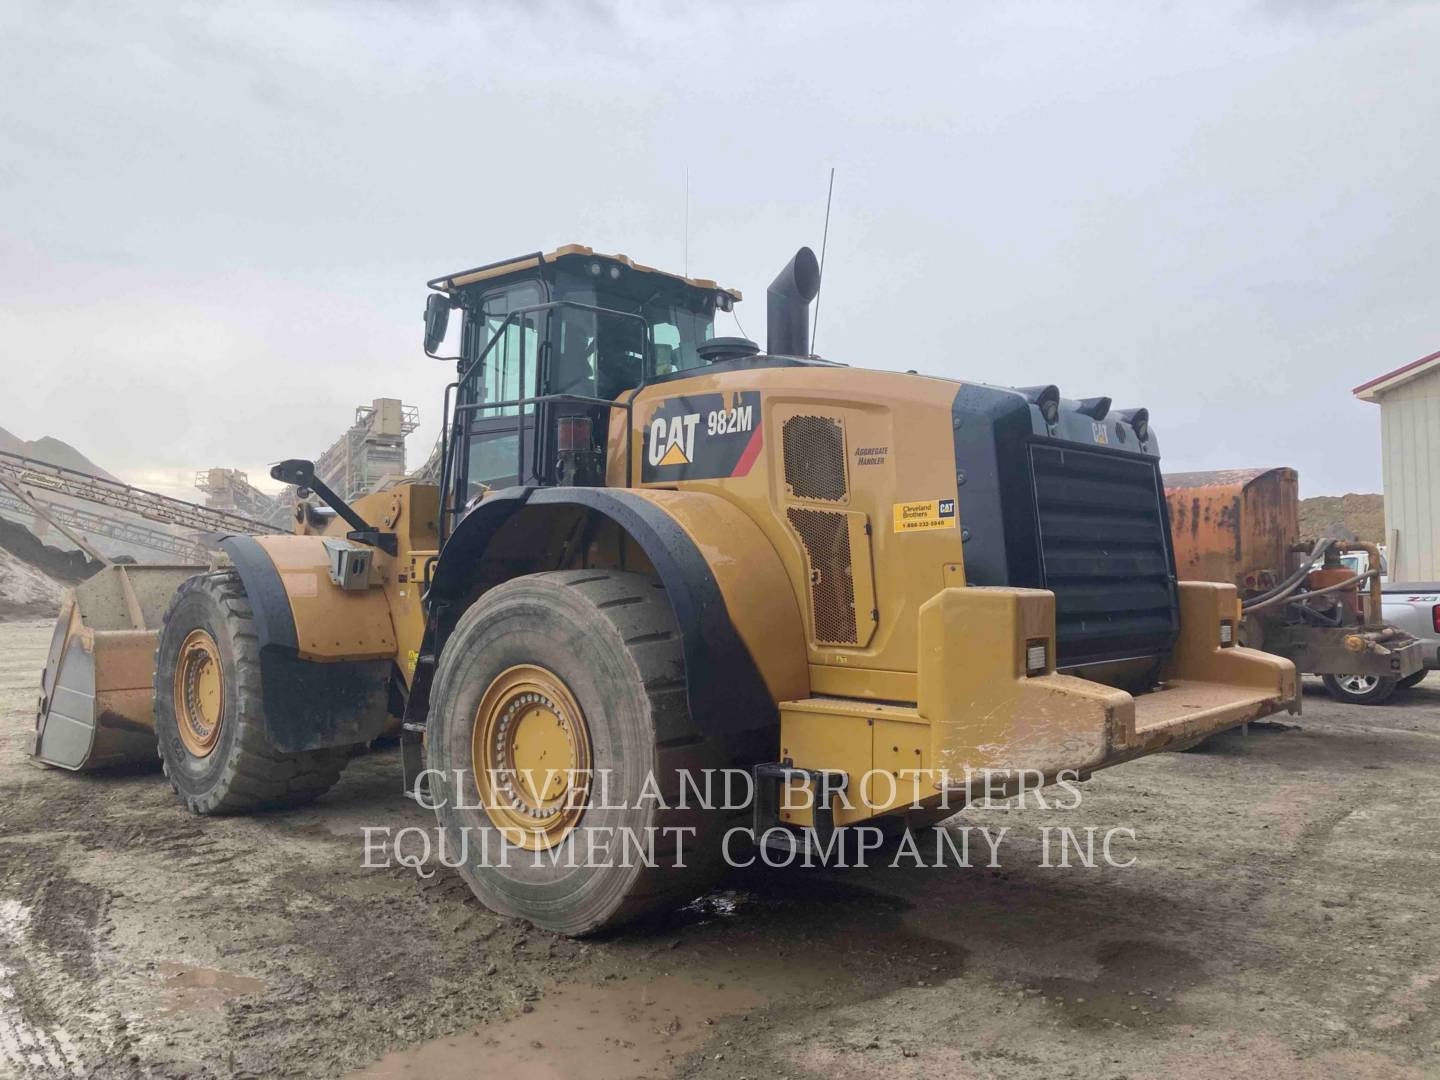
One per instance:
(824, 241)
(687, 221)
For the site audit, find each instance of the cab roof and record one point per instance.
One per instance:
(458, 280)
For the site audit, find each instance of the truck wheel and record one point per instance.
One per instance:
(1415, 678)
(559, 711)
(1359, 689)
(210, 713)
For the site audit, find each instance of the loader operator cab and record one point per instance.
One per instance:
(544, 344)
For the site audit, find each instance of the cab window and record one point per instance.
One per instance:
(678, 333)
(495, 433)
(501, 377)
(595, 355)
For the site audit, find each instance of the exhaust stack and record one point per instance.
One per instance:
(787, 306)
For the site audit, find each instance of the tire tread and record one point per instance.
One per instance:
(256, 776)
(638, 610)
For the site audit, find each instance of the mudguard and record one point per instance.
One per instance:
(320, 688)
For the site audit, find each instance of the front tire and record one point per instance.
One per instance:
(1359, 689)
(210, 711)
(579, 671)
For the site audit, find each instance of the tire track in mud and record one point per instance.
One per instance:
(59, 1016)
(37, 994)
(20, 667)
(34, 996)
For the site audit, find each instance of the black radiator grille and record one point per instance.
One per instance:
(1105, 553)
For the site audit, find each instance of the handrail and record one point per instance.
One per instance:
(450, 506)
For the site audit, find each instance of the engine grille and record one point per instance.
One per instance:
(826, 536)
(1105, 552)
(814, 449)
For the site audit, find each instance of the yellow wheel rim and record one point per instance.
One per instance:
(530, 750)
(199, 693)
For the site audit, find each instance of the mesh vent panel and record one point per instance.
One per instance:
(826, 536)
(815, 457)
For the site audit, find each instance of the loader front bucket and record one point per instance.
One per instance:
(95, 692)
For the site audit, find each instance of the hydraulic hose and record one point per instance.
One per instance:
(1348, 583)
(1290, 584)
(1315, 617)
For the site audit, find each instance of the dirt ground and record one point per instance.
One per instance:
(1280, 920)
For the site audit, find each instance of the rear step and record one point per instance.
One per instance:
(1185, 707)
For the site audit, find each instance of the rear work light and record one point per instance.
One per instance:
(1227, 633)
(1037, 659)
(572, 433)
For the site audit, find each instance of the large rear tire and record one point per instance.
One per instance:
(1359, 689)
(210, 710)
(1415, 678)
(582, 671)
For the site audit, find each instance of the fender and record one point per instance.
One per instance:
(741, 630)
(317, 693)
(465, 546)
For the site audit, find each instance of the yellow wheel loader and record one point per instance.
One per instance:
(657, 556)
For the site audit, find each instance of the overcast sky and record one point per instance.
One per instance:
(216, 221)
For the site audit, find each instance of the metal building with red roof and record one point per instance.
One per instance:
(1409, 400)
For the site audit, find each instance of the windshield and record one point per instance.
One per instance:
(678, 333)
(601, 355)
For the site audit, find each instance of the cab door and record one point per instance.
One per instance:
(498, 438)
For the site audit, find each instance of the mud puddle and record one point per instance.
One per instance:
(197, 989)
(733, 953)
(613, 1031)
(1137, 985)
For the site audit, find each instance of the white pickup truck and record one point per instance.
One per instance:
(1415, 608)
(1410, 606)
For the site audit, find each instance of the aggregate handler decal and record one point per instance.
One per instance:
(704, 437)
(916, 516)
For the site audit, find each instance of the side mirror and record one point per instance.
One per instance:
(437, 320)
(295, 471)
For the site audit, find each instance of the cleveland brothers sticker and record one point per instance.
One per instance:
(918, 516)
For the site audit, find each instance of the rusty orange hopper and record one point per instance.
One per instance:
(1235, 525)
